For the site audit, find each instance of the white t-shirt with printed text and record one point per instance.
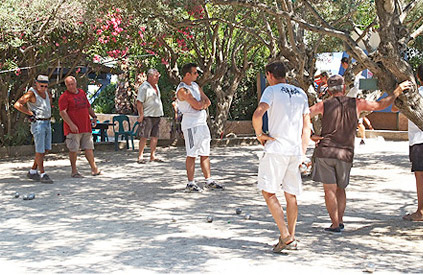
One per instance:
(190, 116)
(288, 104)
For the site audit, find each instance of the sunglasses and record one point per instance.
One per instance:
(43, 86)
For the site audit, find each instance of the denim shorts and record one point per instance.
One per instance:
(41, 130)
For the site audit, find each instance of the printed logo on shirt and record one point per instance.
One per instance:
(80, 102)
(290, 91)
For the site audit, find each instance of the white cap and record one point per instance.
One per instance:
(42, 78)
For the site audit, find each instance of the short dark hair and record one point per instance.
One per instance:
(324, 74)
(344, 60)
(187, 68)
(277, 68)
(420, 72)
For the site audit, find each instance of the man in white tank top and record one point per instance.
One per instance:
(192, 103)
(38, 100)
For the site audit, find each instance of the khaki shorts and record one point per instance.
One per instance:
(83, 141)
(332, 171)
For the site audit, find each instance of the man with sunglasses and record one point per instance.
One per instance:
(38, 101)
(192, 103)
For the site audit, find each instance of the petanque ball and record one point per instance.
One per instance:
(25, 197)
(17, 195)
(31, 196)
(238, 211)
(247, 216)
(209, 218)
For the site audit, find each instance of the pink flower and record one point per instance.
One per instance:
(18, 71)
(78, 70)
(57, 44)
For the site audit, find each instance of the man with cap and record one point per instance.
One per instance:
(38, 101)
(335, 149)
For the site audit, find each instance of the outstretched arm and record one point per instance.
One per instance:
(364, 105)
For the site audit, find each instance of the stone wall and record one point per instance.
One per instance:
(239, 128)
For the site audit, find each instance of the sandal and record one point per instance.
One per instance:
(141, 161)
(284, 243)
(96, 174)
(157, 160)
(77, 175)
(412, 218)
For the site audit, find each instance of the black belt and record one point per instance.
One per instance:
(43, 118)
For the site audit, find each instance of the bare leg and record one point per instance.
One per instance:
(89, 155)
(277, 213)
(291, 212)
(72, 157)
(39, 159)
(34, 165)
(143, 142)
(190, 165)
(331, 203)
(153, 145)
(342, 203)
(362, 130)
(418, 215)
(205, 166)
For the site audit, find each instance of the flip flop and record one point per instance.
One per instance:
(96, 174)
(412, 218)
(141, 161)
(157, 160)
(77, 175)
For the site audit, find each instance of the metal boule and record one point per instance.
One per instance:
(247, 216)
(25, 197)
(17, 195)
(238, 211)
(210, 218)
(370, 268)
(31, 196)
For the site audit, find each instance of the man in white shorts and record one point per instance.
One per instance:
(284, 147)
(192, 103)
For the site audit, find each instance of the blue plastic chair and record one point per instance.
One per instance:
(121, 132)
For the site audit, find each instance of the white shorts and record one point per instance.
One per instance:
(276, 170)
(197, 141)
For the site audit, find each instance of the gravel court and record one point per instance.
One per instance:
(137, 218)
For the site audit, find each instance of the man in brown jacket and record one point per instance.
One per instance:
(335, 149)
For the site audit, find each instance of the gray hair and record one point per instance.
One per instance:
(336, 89)
(151, 72)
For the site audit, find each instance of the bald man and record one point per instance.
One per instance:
(76, 111)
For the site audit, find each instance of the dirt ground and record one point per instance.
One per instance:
(137, 218)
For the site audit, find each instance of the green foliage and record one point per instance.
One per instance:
(105, 102)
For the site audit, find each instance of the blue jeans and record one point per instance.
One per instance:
(41, 130)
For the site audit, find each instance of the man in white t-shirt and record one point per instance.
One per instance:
(284, 147)
(192, 102)
(415, 138)
(150, 109)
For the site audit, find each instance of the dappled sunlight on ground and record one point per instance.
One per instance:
(137, 217)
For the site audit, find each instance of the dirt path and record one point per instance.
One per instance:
(136, 218)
